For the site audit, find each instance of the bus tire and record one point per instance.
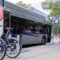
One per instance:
(44, 40)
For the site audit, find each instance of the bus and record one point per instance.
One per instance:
(32, 27)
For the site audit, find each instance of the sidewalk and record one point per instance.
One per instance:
(55, 39)
(41, 52)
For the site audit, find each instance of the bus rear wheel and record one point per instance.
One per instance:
(44, 40)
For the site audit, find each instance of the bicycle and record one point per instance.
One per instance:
(13, 46)
(2, 49)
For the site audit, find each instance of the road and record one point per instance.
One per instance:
(40, 52)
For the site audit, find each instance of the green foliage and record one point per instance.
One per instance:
(53, 6)
(22, 4)
(45, 5)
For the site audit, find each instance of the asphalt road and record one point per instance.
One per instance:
(40, 52)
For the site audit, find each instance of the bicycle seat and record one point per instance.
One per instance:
(8, 28)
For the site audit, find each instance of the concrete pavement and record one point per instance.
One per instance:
(41, 52)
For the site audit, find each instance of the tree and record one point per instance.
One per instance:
(22, 4)
(54, 6)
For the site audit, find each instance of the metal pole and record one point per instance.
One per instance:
(9, 20)
(3, 3)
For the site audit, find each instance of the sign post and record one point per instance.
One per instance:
(56, 20)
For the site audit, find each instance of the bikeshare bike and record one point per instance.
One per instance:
(2, 49)
(10, 46)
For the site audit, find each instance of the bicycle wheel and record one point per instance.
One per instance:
(14, 48)
(2, 49)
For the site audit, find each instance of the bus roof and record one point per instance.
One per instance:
(24, 13)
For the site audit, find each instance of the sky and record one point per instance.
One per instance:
(34, 3)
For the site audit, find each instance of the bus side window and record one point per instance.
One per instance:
(33, 30)
(41, 31)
